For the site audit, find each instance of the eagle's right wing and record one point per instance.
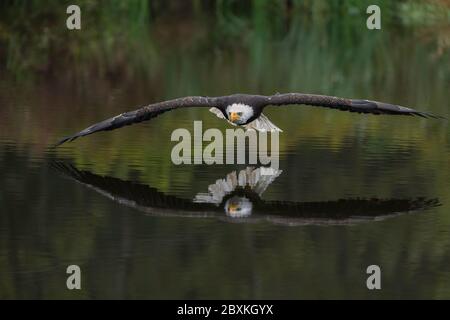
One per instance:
(142, 114)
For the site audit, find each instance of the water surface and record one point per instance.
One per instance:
(52, 217)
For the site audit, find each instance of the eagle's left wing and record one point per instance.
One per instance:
(352, 105)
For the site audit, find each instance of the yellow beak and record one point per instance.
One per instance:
(234, 116)
(232, 207)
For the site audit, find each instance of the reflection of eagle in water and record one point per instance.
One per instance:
(245, 186)
(239, 194)
(246, 110)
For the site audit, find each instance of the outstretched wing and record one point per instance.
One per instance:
(352, 105)
(142, 114)
(135, 195)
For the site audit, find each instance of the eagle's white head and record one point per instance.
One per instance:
(238, 207)
(239, 113)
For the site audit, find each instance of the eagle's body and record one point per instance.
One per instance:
(239, 114)
(246, 110)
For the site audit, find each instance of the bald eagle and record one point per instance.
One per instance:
(245, 110)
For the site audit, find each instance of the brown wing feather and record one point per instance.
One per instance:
(142, 114)
(352, 105)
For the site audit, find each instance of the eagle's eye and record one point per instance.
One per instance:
(239, 113)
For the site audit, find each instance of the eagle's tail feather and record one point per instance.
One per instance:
(263, 124)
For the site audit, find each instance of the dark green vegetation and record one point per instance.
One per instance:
(129, 53)
(125, 38)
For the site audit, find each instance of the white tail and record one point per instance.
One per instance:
(262, 124)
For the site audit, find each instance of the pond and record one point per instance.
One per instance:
(351, 190)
